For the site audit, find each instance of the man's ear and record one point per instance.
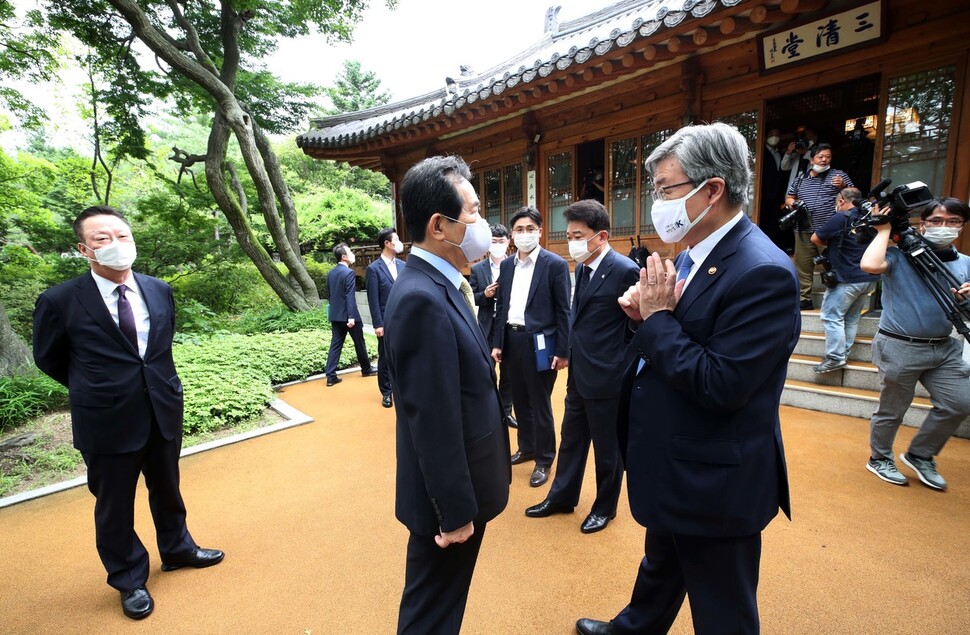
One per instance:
(434, 229)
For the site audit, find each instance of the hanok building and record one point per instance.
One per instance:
(884, 82)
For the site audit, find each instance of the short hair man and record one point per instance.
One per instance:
(843, 303)
(484, 281)
(107, 336)
(818, 189)
(379, 279)
(698, 415)
(344, 315)
(453, 469)
(598, 337)
(914, 345)
(533, 308)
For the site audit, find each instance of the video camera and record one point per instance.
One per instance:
(895, 208)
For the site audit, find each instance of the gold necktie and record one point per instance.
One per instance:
(466, 291)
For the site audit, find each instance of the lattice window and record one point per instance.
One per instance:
(917, 128)
(560, 192)
(747, 125)
(512, 184)
(492, 204)
(648, 143)
(623, 186)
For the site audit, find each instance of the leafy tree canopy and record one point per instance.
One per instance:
(356, 89)
(27, 52)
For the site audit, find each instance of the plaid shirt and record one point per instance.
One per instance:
(819, 194)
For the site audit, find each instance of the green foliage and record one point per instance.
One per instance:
(28, 395)
(305, 175)
(228, 378)
(356, 89)
(331, 217)
(318, 271)
(281, 320)
(226, 288)
(27, 47)
(23, 276)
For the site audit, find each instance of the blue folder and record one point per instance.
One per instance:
(545, 349)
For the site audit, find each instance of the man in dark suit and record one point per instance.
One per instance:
(107, 337)
(380, 277)
(344, 315)
(484, 281)
(453, 469)
(598, 338)
(533, 309)
(698, 414)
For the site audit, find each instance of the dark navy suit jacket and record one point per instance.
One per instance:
(452, 444)
(598, 333)
(699, 424)
(378, 281)
(114, 393)
(481, 277)
(342, 283)
(547, 306)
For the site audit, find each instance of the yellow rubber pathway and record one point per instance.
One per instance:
(306, 519)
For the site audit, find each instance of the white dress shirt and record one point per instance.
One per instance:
(109, 293)
(391, 266)
(699, 252)
(521, 283)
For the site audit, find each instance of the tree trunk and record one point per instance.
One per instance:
(14, 354)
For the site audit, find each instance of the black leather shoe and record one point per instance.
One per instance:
(386, 401)
(369, 373)
(333, 382)
(587, 626)
(539, 476)
(547, 508)
(511, 422)
(594, 523)
(137, 603)
(197, 559)
(806, 305)
(520, 457)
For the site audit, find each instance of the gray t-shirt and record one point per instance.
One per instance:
(907, 306)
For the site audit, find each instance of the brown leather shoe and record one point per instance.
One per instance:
(539, 476)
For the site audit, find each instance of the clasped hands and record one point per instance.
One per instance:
(657, 290)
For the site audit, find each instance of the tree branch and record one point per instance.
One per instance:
(192, 38)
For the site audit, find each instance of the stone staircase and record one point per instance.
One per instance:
(852, 391)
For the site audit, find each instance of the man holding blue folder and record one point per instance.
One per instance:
(531, 337)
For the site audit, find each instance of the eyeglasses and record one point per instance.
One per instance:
(940, 222)
(660, 193)
(525, 230)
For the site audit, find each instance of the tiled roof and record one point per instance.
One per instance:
(574, 42)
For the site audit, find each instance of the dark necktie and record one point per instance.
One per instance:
(126, 318)
(583, 282)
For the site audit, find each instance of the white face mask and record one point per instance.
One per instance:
(578, 249)
(118, 255)
(941, 236)
(526, 242)
(351, 258)
(477, 238)
(773, 141)
(819, 169)
(397, 246)
(498, 250)
(671, 219)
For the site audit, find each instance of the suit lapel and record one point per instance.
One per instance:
(458, 302)
(713, 266)
(153, 304)
(387, 270)
(540, 270)
(596, 279)
(89, 296)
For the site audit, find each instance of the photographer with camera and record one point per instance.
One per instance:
(914, 344)
(817, 189)
(847, 286)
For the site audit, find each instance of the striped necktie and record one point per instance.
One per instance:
(466, 291)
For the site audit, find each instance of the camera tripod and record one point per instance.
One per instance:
(937, 278)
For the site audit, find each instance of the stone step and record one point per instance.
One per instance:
(812, 323)
(857, 374)
(852, 402)
(813, 345)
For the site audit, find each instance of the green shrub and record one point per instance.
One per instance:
(228, 378)
(227, 289)
(193, 317)
(23, 276)
(318, 271)
(281, 320)
(28, 395)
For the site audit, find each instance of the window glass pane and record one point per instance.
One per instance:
(747, 125)
(560, 194)
(623, 186)
(492, 205)
(512, 174)
(648, 143)
(917, 128)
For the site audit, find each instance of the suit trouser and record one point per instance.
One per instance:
(587, 420)
(436, 584)
(531, 397)
(113, 479)
(719, 575)
(505, 391)
(942, 371)
(805, 251)
(338, 333)
(383, 374)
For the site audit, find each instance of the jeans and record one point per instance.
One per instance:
(841, 311)
(944, 374)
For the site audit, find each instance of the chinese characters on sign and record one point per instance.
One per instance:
(832, 33)
(531, 188)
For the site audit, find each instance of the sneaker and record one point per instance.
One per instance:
(925, 469)
(827, 366)
(886, 470)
